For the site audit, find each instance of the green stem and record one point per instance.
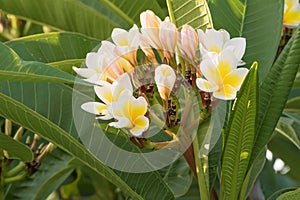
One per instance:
(16, 178)
(204, 192)
(15, 170)
(2, 172)
(118, 11)
(26, 28)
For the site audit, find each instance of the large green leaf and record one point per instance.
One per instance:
(286, 129)
(272, 182)
(282, 148)
(178, 177)
(62, 50)
(14, 69)
(260, 22)
(293, 195)
(240, 137)
(192, 12)
(54, 169)
(54, 102)
(15, 148)
(252, 174)
(53, 47)
(275, 90)
(68, 15)
(92, 18)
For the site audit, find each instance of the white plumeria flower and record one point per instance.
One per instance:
(108, 93)
(222, 77)
(150, 28)
(127, 43)
(188, 43)
(168, 37)
(291, 17)
(101, 64)
(216, 41)
(165, 78)
(130, 111)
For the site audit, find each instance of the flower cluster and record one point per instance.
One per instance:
(291, 17)
(211, 57)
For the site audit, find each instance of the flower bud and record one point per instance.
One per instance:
(165, 78)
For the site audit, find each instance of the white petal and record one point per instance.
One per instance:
(228, 56)
(84, 72)
(106, 48)
(104, 92)
(206, 86)
(168, 36)
(142, 124)
(123, 83)
(239, 46)
(165, 78)
(209, 69)
(119, 36)
(92, 107)
(92, 60)
(122, 122)
(236, 77)
(225, 93)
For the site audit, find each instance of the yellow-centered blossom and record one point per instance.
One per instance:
(221, 75)
(291, 17)
(108, 93)
(216, 41)
(129, 113)
(127, 43)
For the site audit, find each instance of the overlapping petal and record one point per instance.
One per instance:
(222, 77)
(291, 18)
(188, 43)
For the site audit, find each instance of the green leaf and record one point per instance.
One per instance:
(67, 15)
(122, 9)
(252, 174)
(272, 182)
(51, 116)
(14, 69)
(192, 12)
(15, 148)
(92, 18)
(275, 195)
(240, 137)
(275, 90)
(282, 148)
(292, 105)
(293, 195)
(178, 177)
(53, 47)
(54, 169)
(286, 129)
(260, 22)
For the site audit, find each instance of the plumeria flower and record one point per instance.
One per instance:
(130, 111)
(216, 41)
(168, 37)
(165, 78)
(188, 43)
(127, 43)
(222, 77)
(108, 93)
(161, 35)
(150, 28)
(101, 65)
(291, 17)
